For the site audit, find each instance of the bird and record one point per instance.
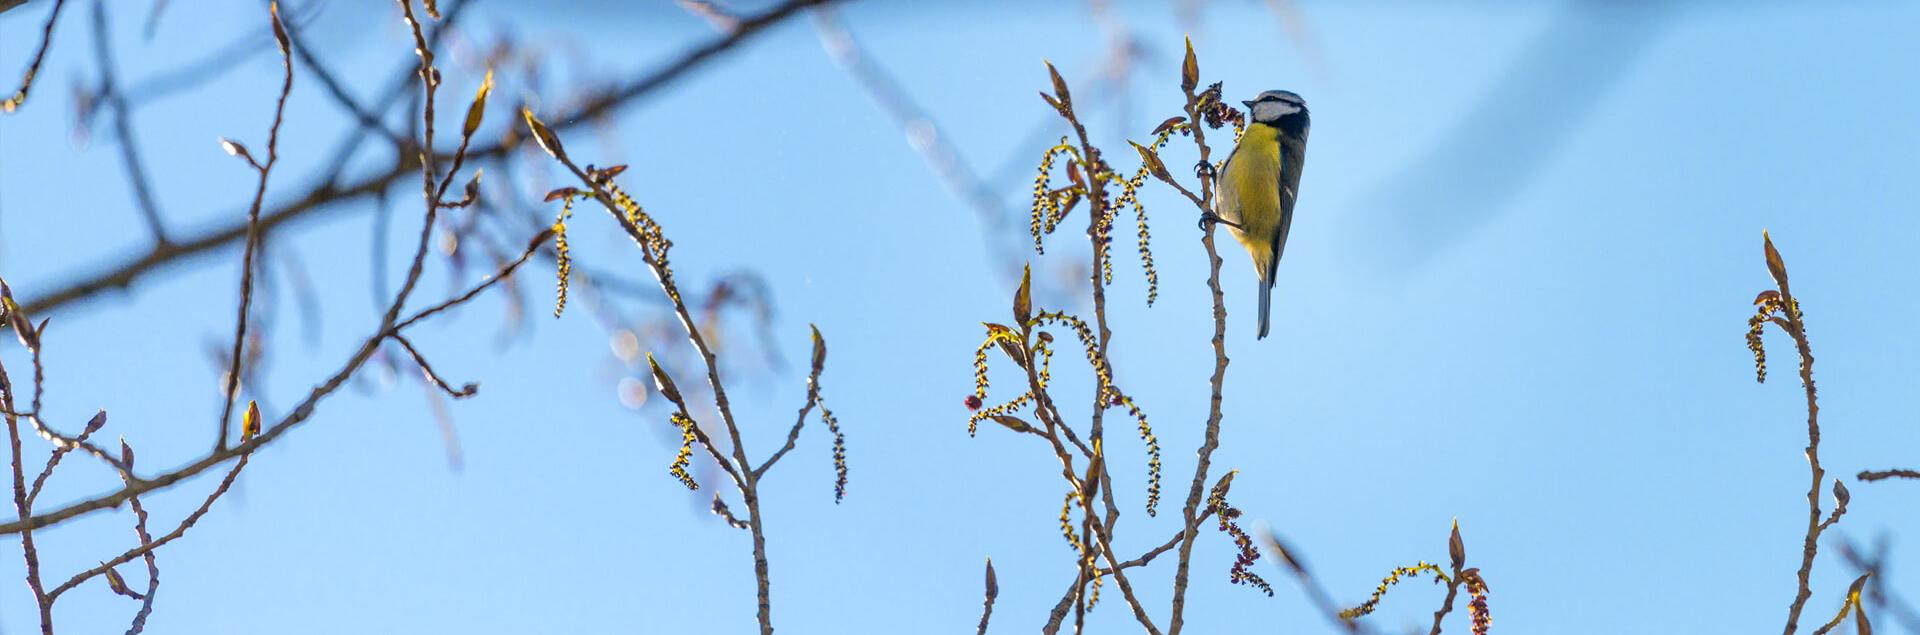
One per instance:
(1260, 181)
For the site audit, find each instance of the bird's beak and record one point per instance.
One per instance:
(1249, 103)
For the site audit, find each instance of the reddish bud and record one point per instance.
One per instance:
(973, 402)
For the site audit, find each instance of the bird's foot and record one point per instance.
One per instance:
(1203, 170)
(1207, 219)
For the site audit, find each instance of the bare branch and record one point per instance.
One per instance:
(39, 55)
(253, 230)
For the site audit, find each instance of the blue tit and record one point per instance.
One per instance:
(1259, 183)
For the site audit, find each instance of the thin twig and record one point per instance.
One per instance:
(232, 389)
(330, 192)
(153, 568)
(464, 391)
(993, 593)
(1216, 382)
(1875, 475)
(748, 480)
(148, 546)
(300, 414)
(40, 55)
(1792, 321)
(22, 506)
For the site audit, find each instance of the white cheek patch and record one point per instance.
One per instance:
(1272, 110)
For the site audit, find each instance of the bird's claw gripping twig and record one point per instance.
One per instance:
(1209, 218)
(1203, 170)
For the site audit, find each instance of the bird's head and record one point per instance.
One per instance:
(1272, 106)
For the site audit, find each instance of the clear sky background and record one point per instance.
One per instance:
(1515, 293)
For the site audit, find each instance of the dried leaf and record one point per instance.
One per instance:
(1853, 591)
(279, 30)
(1456, 548)
(819, 349)
(23, 329)
(478, 110)
(1766, 297)
(1775, 265)
(1023, 298)
(1090, 484)
(1073, 199)
(1013, 423)
(250, 422)
(993, 582)
(565, 192)
(119, 584)
(472, 192)
(1169, 123)
(1055, 103)
(1152, 161)
(544, 136)
(663, 382)
(1059, 86)
(1189, 70)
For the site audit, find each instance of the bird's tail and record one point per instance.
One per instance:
(1266, 305)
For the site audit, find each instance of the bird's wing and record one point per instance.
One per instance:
(1292, 159)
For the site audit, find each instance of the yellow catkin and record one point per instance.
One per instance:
(1153, 447)
(680, 461)
(1393, 578)
(980, 369)
(1066, 522)
(1085, 333)
(1048, 208)
(1045, 350)
(563, 258)
(973, 422)
(839, 453)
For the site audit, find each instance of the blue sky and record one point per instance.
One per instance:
(1514, 295)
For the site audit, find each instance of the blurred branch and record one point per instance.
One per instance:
(1875, 475)
(109, 95)
(922, 132)
(330, 192)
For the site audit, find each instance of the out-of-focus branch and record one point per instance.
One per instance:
(123, 127)
(923, 133)
(1875, 475)
(325, 195)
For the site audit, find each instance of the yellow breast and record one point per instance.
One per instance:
(1249, 193)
